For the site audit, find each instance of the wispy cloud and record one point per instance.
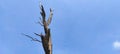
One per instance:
(116, 45)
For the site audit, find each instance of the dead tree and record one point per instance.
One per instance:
(45, 38)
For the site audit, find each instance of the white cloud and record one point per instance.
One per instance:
(116, 45)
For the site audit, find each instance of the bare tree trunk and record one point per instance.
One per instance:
(46, 38)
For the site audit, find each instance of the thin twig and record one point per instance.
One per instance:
(39, 34)
(33, 39)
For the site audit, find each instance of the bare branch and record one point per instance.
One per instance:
(50, 17)
(38, 34)
(40, 23)
(33, 39)
(43, 14)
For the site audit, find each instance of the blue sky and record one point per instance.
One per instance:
(78, 26)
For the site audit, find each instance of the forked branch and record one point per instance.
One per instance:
(33, 39)
(46, 38)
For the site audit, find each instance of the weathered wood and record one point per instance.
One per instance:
(46, 38)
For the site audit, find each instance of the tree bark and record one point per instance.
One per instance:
(46, 38)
